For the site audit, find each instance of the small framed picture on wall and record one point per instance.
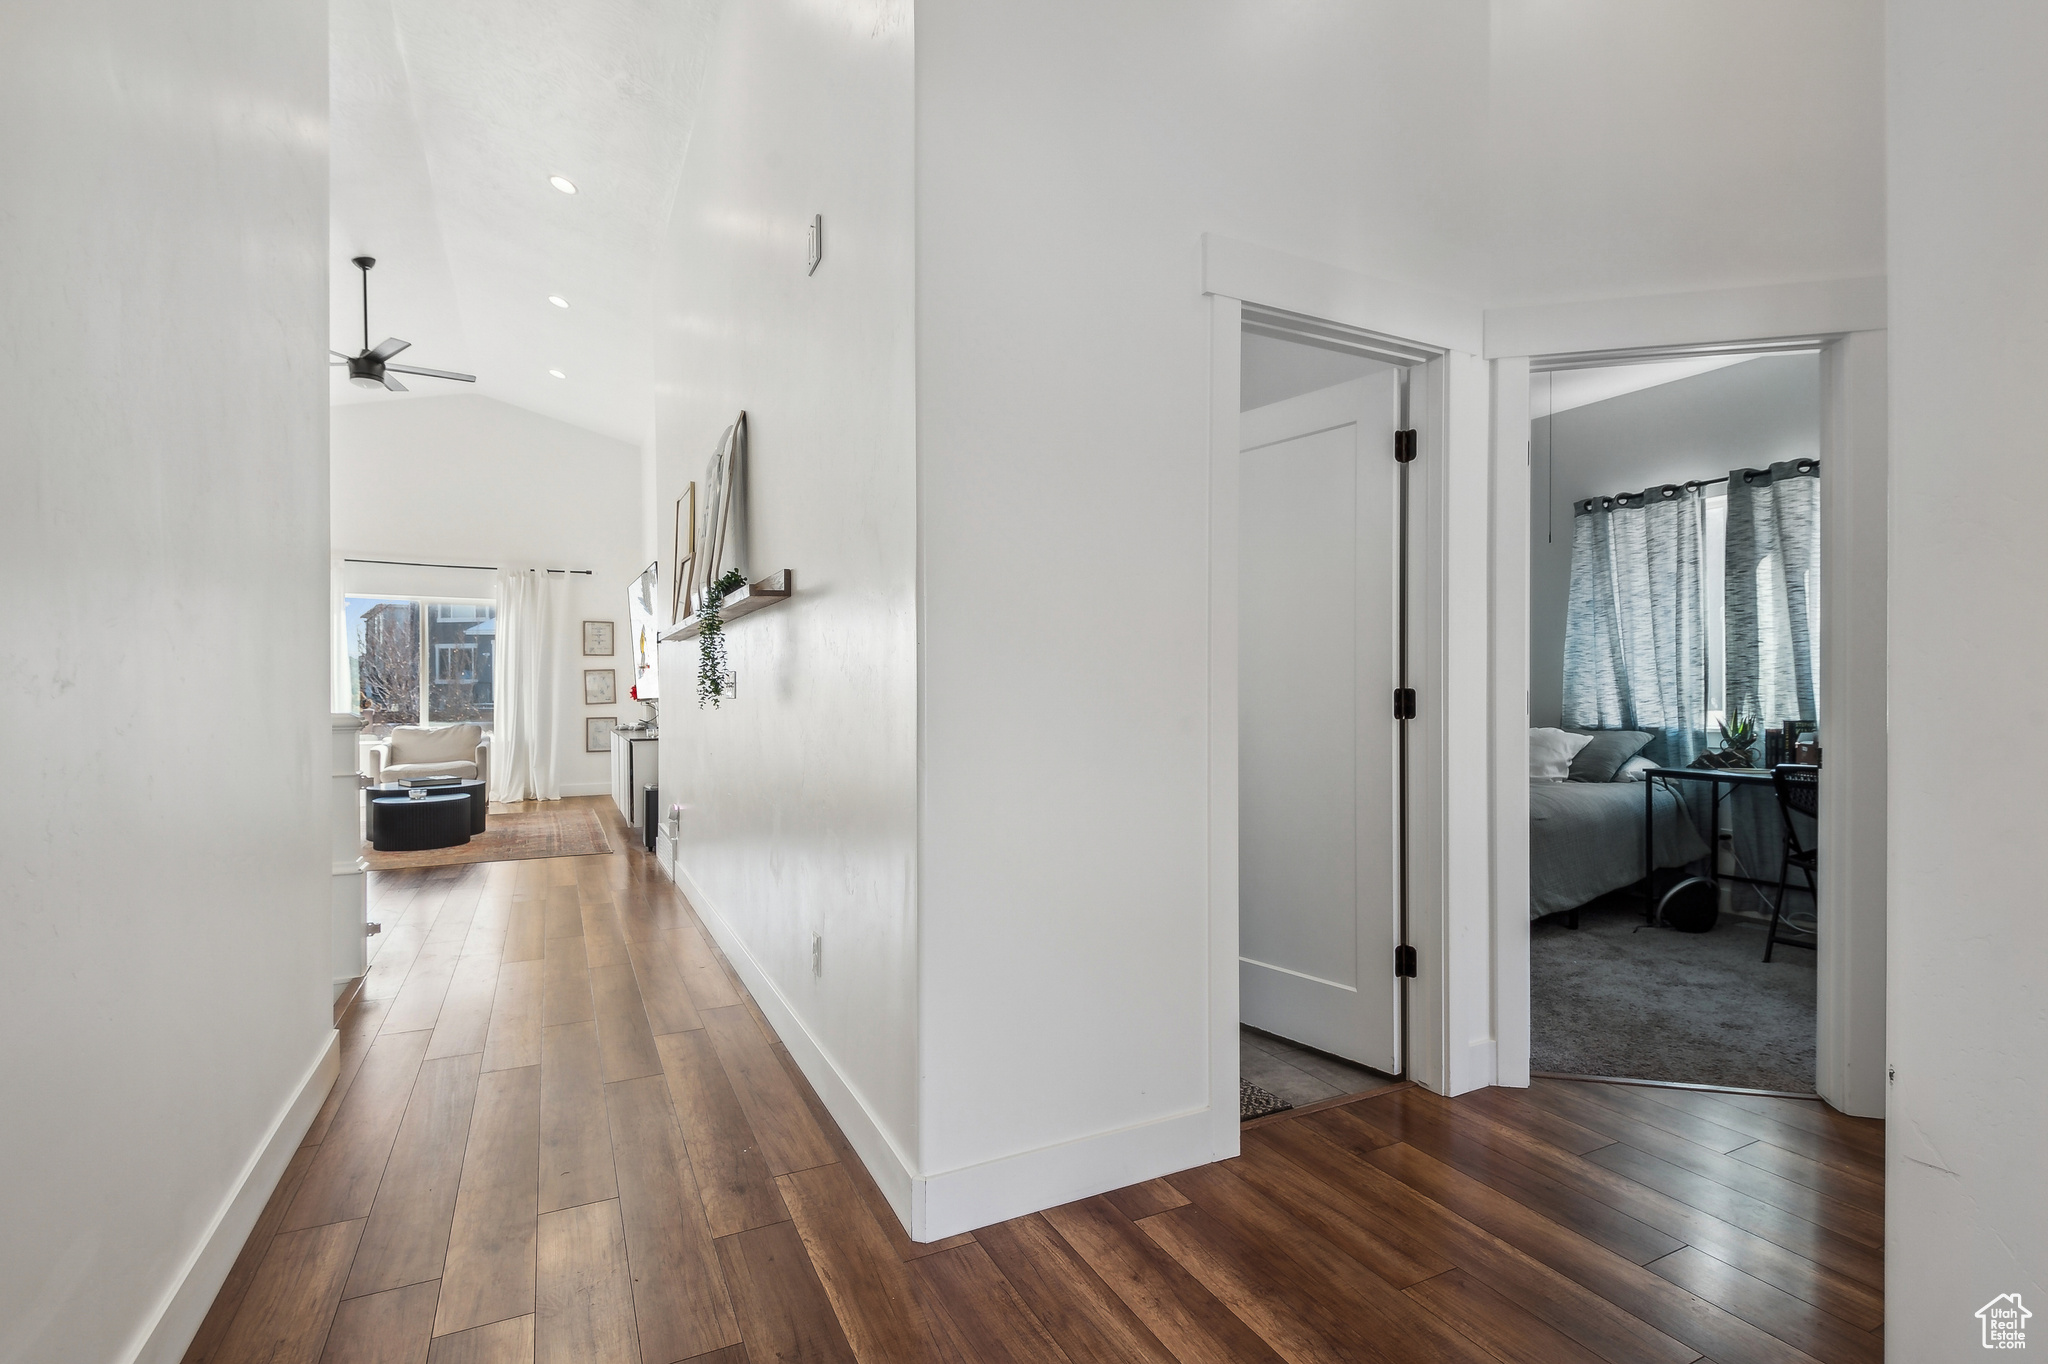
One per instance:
(597, 639)
(597, 733)
(600, 686)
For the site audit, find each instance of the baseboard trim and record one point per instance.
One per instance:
(933, 1207)
(164, 1338)
(585, 788)
(1011, 1186)
(877, 1152)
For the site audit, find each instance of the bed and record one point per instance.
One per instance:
(1586, 839)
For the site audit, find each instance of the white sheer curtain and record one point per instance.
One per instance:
(528, 665)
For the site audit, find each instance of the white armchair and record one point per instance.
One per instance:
(442, 751)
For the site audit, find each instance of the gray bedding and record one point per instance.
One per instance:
(1586, 838)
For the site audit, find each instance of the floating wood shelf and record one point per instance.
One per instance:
(745, 602)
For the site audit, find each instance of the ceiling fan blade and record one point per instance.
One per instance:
(393, 384)
(332, 363)
(388, 347)
(433, 373)
(339, 356)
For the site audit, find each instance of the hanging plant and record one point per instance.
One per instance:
(714, 679)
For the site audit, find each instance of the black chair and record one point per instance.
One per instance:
(1798, 789)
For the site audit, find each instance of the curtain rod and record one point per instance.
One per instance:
(477, 568)
(1804, 466)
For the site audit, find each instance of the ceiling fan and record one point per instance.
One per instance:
(373, 368)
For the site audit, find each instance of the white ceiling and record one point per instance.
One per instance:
(448, 117)
(1564, 389)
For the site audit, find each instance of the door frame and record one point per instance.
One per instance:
(1448, 1032)
(1468, 1015)
(1846, 320)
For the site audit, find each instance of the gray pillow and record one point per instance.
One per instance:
(1603, 758)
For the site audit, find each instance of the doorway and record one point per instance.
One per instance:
(1320, 525)
(1673, 629)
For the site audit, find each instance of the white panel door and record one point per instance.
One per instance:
(1318, 769)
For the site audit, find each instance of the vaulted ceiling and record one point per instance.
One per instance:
(448, 118)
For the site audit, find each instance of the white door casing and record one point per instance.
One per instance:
(1319, 516)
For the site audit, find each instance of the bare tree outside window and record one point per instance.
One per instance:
(405, 650)
(384, 662)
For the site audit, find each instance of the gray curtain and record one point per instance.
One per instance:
(1772, 601)
(1635, 653)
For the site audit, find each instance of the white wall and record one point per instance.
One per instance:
(1745, 416)
(163, 848)
(464, 479)
(1663, 148)
(1070, 156)
(1967, 1190)
(801, 792)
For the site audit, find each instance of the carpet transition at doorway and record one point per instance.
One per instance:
(554, 828)
(1253, 1102)
(1656, 1004)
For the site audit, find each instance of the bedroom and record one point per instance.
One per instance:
(1667, 498)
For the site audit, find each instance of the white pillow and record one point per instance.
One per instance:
(1551, 752)
(1633, 769)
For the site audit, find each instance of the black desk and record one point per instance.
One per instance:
(402, 824)
(1728, 777)
(479, 800)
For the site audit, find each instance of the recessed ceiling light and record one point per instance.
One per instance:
(558, 374)
(564, 185)
(558, 300)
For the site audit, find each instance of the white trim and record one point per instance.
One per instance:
(1450, 1045)
(1855, 528)
(1226, 345)
(892, 1171)
(164, 1338)
(1509, 728)
(586, 788)
(1824, 307)
(1259, 274)
(1011, 1186)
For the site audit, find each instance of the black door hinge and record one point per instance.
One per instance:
(1404, 447)
(1404, 703)
(1404, 961)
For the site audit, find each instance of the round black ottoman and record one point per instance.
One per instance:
(402, 824)
(478, 800)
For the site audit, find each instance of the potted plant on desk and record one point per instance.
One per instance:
(1738, 740)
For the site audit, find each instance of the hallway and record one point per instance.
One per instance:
(563, 1132)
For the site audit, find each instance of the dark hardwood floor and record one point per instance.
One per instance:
(562, 1132)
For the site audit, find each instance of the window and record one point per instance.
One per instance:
(1713, 558)
(403, 652)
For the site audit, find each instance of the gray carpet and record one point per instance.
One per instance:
(1703, 1008)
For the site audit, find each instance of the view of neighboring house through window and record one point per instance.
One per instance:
(419, 661)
